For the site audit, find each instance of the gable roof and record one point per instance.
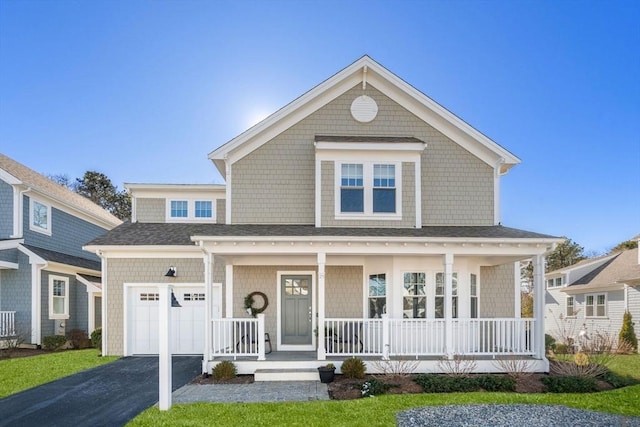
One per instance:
(366, 70)
(30, 178)
(582, 263)
(61, 258)
(622, 269)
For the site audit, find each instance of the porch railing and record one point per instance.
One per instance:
(238, 337)
(7, 324)
(427, 337)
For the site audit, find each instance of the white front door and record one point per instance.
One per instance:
(187, 321)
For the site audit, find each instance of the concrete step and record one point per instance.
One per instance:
(286, 375)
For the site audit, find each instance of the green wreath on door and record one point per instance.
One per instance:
(249, 301)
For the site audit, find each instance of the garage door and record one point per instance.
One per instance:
(187, 322)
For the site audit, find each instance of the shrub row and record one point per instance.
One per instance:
(431, 383)
(570, 384)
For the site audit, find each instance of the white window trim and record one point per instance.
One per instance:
(191, 210)
(64, 315)
(554, 280)
(566, 307)
(367, 180)
(32, 226)
(595, 306)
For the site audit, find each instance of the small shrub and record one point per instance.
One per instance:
(374, 387)
(627, 334)
(396, 368)
(78, 338)
(448, 384)
(549, 343)
(96, 338)
(561, 348)
(224, 370)
(53, 342)
(458, 366)
(496, 383)
(353, 368)
(570, 384)
(617, 381)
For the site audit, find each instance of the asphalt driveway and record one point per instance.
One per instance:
(108, 395)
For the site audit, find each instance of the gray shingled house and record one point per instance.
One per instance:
(592, 296)
(48, 284)
(362, 219)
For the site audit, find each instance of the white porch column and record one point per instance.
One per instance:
(538, 305)
(260, 337)
(448, 304)
(208, 283)
(322, 351)
(228, 291)
(164, 349)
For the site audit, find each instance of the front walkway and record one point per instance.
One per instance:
(280, 391)
(108, 395)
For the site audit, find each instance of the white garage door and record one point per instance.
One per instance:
(187, 322)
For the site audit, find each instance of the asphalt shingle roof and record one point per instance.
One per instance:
(52, 189)
(141, 234)
(61, 258)
(624, 266)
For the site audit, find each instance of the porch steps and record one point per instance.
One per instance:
(286, 375)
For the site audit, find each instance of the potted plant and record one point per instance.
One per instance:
(327, 373)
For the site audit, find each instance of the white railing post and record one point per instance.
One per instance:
(260, 337)
(386, 341)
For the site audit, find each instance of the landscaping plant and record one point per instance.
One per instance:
(353, 368)
(96, 338)
(53, 342)
(374, 387)
(627, 335)
(224, 370)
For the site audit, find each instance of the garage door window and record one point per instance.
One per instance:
(194, 297)
(149, 297)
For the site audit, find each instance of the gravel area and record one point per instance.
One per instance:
(509, 415)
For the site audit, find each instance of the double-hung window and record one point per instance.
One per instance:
(351, 188)
(58, 297)
(370, 189)
(439, 300)
(377, 295)
(596, 305)
(571, 306)
(414, 301)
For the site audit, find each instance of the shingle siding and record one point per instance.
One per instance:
(133, 270)
(151, 210)
(497, 291)
(9, 255)
(275, 183)
(344, 292)
(15, 294)
(6, 210)
(221, 206)
(68, 233)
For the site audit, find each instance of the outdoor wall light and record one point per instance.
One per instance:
(172, 272)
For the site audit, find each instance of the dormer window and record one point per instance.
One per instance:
(40, 217)
(190, 210)
(368, 189)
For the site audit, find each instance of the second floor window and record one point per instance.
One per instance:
(368, 188)
(40, 220)
(203, 209)
(179, 209)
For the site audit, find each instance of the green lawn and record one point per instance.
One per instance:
(380, 411)
(26, 372)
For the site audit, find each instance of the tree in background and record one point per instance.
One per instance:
(98, 188)
(565, 254)
(626, 245)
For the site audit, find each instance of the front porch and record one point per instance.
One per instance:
(425, 341)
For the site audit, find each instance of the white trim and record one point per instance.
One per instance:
(134, 210)
(67, 289)
(394, 147)
(153, 190)
(104, 325)
(318, 193)
(37, 228)
(595, 305)
(91, 288)
(228, 179)
(9, 265)
(418, 186)
(389, 84)
(289, 347)
(18, 212)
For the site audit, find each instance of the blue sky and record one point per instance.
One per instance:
(143, 90)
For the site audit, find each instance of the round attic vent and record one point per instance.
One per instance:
(364, 109)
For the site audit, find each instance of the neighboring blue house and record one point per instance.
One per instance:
(48, 284)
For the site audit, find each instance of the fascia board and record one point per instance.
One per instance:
(90, 286)
(57, 267)
(33, 257)
(146, 251)
(577, 289)
(9, 265)
(8, 178)
(135, 187)
(10, 244)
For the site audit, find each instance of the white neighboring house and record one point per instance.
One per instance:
(593, 296)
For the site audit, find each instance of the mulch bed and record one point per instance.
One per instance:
(240, 379)
(15, 353)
